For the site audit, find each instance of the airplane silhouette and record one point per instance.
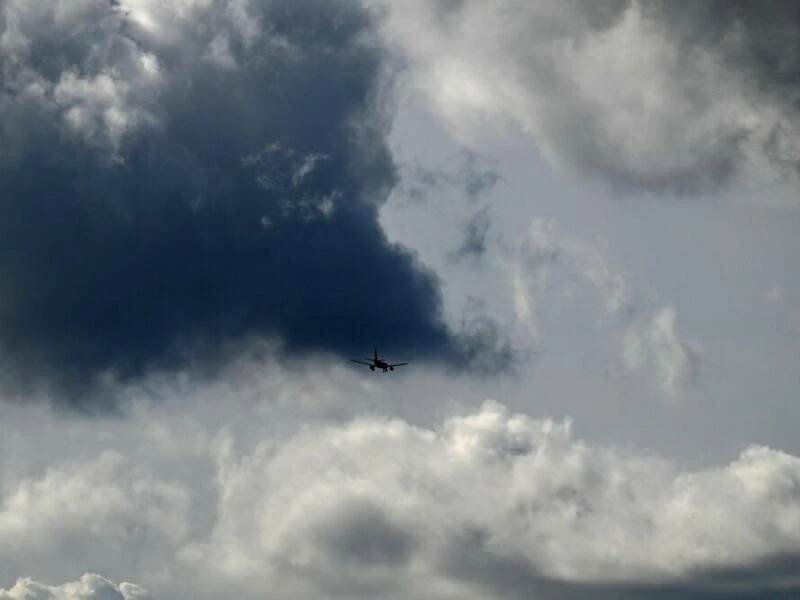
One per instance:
(376, 362)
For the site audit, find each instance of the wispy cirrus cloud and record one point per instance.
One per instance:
(552, 273)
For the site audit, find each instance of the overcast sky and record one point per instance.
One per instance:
(576, 220)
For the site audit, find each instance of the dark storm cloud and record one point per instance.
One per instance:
(208, 178)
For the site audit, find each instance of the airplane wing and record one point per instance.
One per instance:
(361, 362)
(398, 364)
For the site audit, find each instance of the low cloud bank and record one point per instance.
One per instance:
(485, 502)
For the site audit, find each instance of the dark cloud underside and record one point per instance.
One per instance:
(772, 578)
(243, 201)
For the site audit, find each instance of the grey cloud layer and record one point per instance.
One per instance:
(175, 175)
(664, 96)
(485, 502)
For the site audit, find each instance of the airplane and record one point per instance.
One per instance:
(376, 362)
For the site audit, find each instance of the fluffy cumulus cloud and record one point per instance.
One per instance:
(89, 586)
(483, 503)
(552, 274)
(646, 94)
(107, 497)
(180, 175)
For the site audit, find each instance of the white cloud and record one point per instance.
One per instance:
(109, 82)
(775, 295)
(219, 492)
(97, 107)
(90, 586)
(531, 275)
(657, 345)
(60, 511)
(110, 93)
(653, 97)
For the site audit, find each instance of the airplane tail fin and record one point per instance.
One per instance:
(376, 353)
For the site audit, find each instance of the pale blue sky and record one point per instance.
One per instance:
(723, 263)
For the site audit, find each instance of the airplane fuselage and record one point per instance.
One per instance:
(377, 363)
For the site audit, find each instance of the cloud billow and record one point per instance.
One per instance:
(90, 585)
(647, 95)
(487, 502)
(177, 179)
